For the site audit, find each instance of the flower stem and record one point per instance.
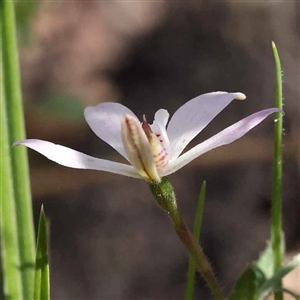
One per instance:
(189, 295)
(165, 197)
(276, 223)
(198, 255)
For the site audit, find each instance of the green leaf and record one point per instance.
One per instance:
(10, 264)
(196, 233)
(19, 163)
(264, 266)
(272, 283)
(42, 277)
(276, 223)
(245, 287)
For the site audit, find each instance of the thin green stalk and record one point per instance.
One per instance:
(19, 161)
(196, 233)
(198, 255)
(163, 193)
(42, 277)
(12, 280)
(276, 226)
(291, 293)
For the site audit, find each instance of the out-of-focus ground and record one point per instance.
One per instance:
(109, 240)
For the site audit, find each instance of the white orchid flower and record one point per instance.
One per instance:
(153, 150)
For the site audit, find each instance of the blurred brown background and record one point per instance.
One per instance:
(109, 240)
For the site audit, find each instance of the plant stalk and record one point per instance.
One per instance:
(11, 280)
(19, 162)
(197, 254)
(276, 223)
(189, 294)
(166, 199)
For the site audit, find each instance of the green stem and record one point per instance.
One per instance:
(18, 155)
(189, 295)
(198, 255)
(10, 259)
(165, 197)
(276, 226)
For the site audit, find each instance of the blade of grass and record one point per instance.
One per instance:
(42, 278)
(10, 264)
(19, 161)
(189, 295)
(276, 223)
(291, 293)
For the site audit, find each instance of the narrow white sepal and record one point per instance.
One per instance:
(193, 116)
(75, 159)
(227, 136)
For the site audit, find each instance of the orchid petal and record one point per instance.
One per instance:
(138, 149)
(74, 159)
(105, 120)
(161, 118)
(224, 137)
(158, 151)
(191, 118)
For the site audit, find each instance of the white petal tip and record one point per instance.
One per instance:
(86, 109)
(239, 96)
(24, 142)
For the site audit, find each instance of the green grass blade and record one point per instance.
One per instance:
(189, 295)
(42, 277)
(291, 293)
(276, 224)
(18, 155)
(10, 259)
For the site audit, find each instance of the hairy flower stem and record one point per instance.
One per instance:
(165, 197)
